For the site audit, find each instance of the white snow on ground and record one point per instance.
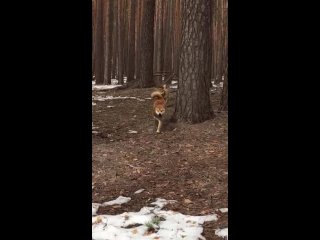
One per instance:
(93, 104)
(104, 87)
(95, 207)
(174, 82)
(119, 200)
(139, 191)
(132, 131)
(174, 86)
(134, 225)
(100, 98)
(223, 210)
(222, 233)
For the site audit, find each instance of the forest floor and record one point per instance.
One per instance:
(186, 163)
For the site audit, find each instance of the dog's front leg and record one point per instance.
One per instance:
(159, 126)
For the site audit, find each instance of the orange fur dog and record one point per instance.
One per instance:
(160, 97)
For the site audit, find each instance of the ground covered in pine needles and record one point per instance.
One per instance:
(187, 163)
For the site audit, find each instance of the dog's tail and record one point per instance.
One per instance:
(156, 95)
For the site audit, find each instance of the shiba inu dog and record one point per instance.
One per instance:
(160, 97)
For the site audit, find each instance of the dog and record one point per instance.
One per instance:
(160, 97)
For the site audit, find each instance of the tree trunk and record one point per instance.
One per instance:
(176, 38)
(108, 26)
(114, 43)
(120, 42)
(99, 49)
(193, 98)
(94, 10)
(146, 48)
(158, 38)
(138, 39)
(224, 95)
(131, 41)
(167, 51)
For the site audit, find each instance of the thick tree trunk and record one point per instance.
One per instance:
(224, 95)
(94, 10)
(114, 43)
(99, 49)
(158, 51)
(108, 27)
(167, 51)
(131, 41)
(138, 39)
(120, 42)
(193, 98)
(176, 38)
(146, 48)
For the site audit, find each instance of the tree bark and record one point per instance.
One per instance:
(158, 51)
(193, 98)
(108, 27)
(99, 49)
(131, 41)
(224, 95)
(146, 47)
(120, 41)
(138, 39)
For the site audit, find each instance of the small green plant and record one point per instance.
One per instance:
(150, 226)
(153, 224)
(156, 220)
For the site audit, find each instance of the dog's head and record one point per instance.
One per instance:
(159, 111)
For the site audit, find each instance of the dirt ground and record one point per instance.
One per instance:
(187, 163)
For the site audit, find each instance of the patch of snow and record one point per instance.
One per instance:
(93, 104)
(221, 84)
(222, 233)
(223, 210)
(160, 202)
(95, 132)
(104, 87)
(114, 81)
(110, 106)
(132, 225)
(95, 207)
(100, 98)
(174, 82)
(139, 191)
(174, 86)
(132, 131)
(120, 200)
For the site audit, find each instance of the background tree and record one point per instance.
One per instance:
(146, 47)
(99, 42)
(193, 98)
(131, 40)
(120, 29)
(108, 27)
(224, 95)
